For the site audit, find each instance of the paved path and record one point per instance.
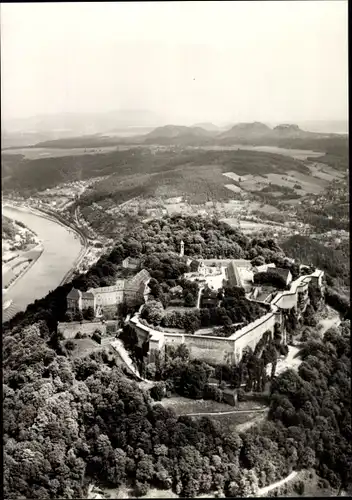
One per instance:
(199, 296)
(205, 414)
(264, 491)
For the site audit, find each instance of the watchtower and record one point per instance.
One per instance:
(182, 251)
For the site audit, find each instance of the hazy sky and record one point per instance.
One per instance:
(236, 61)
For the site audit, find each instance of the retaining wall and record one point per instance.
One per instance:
(70, 329)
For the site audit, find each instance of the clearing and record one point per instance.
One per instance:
(331, 320)
(234, 418)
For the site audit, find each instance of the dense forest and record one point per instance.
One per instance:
(68, 422)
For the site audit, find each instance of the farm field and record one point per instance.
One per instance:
(298, 154)
(248, 227)
(323, 171)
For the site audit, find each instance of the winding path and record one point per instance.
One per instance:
(119, 348)
(264, 491)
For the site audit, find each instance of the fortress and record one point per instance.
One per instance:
(217, 350)
(212, 274)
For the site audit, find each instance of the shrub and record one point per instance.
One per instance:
(88, 314)
(78, 316)
(212, 392)
(158, 391)
(70, 345)
(299, 487)
(79, 336)
(141, 489)
(241, 395)
(69, 316)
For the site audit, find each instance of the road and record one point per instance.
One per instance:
(264, 491)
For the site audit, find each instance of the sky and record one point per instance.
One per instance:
(185, 61)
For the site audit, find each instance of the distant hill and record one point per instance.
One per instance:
(246, 131)
(290, 131)
(284, 135)
(84, 141)
(253, 134)
(178, 134)
(76, 124)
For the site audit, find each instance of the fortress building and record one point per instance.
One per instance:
(133, 291)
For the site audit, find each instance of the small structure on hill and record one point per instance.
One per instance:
(131, 263)
(182, 250)
(229, 396)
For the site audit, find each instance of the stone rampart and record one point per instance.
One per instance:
(214, 350)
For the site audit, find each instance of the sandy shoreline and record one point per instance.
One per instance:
(39, 248)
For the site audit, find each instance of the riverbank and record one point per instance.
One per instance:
(63, 249)
(54, 217)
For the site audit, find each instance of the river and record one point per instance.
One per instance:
(62, 247)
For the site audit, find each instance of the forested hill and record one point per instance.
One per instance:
(68, 422)
(142, 170)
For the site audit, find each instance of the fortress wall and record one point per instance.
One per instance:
(213, 350)
(288, 299)
(143, 332)
(69, 330)
(174, 338)
(252, 335)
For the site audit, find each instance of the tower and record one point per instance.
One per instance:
(182, 251)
